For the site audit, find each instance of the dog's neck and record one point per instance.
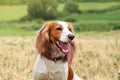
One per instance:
(54, 54)
(55, 59)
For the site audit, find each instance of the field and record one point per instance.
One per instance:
(97, 39)
(92, 5)
(15, 12)
(109, 16)
(97, 57)
(16, 29)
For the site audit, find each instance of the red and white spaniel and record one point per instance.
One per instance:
(56, 49)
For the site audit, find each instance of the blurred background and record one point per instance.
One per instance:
(97, 28)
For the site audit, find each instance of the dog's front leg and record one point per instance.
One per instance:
(65, 73)
(64, 76)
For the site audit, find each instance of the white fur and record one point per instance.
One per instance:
(50, 70)
(76, 77)
(65, 32)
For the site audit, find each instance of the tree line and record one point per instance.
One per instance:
(19, 2)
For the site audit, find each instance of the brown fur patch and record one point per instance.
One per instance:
(70, 73)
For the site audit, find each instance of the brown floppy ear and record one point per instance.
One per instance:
(42, 39)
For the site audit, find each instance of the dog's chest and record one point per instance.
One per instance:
(49, 76)
(48, 70)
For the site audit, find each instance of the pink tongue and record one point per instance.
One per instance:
(69, 57)
(66, 48)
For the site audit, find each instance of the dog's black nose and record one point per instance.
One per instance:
(71, 36)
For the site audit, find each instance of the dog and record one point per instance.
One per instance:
(56, 46)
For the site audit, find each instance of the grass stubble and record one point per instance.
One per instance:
(97, 57)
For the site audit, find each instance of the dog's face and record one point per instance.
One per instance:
(62, 34)
(57, 33)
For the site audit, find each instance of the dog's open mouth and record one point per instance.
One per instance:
(65, 47)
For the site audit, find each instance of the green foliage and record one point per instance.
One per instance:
(70, 20)
(71, 7)
(61, 1)
(108, 26)
(115, 26)
(18, 11)
(26, 18)
(30, 28)
(36, 26)
(108, 16)
(91, 27)
(17, 28)
(112, 8)
(45, 9)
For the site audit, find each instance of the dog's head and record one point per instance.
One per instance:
(56, 36)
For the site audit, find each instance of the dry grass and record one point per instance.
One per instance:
(16, 58)
(97, 58)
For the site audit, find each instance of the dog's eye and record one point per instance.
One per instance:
(59, 28)
(70, 29)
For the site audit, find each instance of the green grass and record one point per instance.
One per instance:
(16, 32)
(109, 16)
(113, 15)
(30, 28)
(14, 12)
(96, 5)
(16, 29)
(84, 6)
